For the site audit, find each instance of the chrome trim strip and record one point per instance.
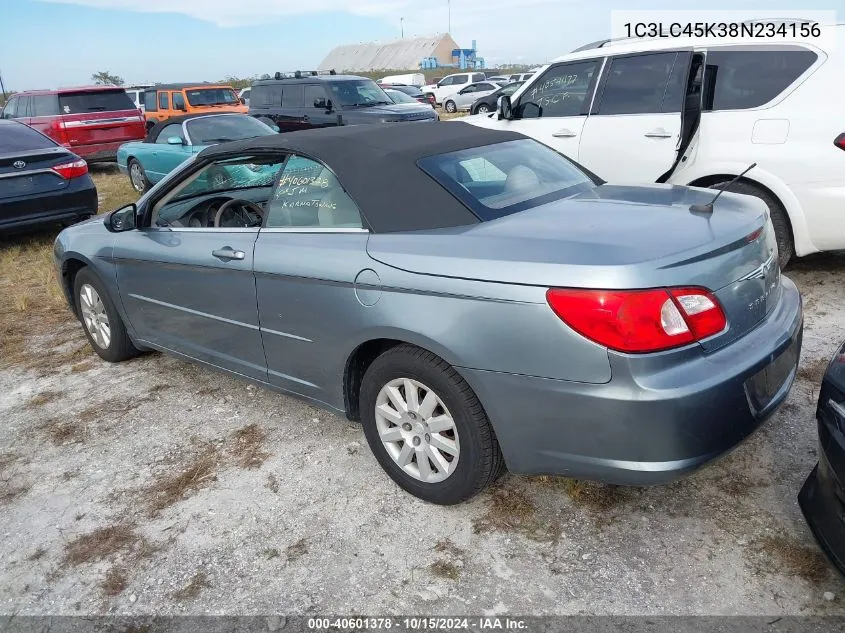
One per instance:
(285, 334)
(30, 172)
(201, 229)
(89, 122)
(196, 312)
(316, 229)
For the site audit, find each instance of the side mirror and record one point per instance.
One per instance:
(124, 219)
(275, 128)
(504, 108)
(175, 140)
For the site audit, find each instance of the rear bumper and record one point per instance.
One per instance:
(653, 421)
(98, 152)
(78, 201)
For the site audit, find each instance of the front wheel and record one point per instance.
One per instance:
(137, 176)
(450, 107)
(103, 326)
(482, 108)
(427, 428)
(780, 220)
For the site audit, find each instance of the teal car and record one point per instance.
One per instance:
(169, 143)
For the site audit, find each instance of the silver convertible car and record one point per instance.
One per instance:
(474, 298)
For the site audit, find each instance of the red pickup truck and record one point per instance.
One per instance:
(91, 121)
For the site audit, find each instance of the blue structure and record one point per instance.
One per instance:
(463, 58)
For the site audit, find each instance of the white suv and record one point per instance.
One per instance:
(450, 84)
(699, 113)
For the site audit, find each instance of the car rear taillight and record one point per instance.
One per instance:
(58, 132)
(839, 141)
(74, 169)
(639, 321)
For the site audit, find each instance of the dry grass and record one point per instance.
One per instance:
(297, 550)
(62, 432)
(445, 569)
(593, 496)
(115, 582)
(171, 488)
(445, 116)
(100, 544)
(247, 449)
(510, 510)
(9, 491)
(190, 591)
(113, 188)
(813, 371)
(784, 555)
(39, 400)
(28, 279)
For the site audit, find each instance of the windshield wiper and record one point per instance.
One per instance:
(224, 139)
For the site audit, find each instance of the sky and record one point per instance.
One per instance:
(50, 43)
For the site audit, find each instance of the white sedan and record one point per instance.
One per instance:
(469, 94)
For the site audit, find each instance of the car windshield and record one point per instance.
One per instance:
(212, 96)
(400, 97)
(504, 178)
(358, 93)
(210, 130)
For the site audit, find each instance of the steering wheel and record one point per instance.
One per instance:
(240, 215)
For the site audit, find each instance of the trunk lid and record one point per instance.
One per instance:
(25, 173)
(614, 237)
(94, 117)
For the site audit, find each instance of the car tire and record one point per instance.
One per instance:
(450, 107)
(431, 98)
(150, 124)
(780, 220)
(471, 459)
(100, 320)
(482, 108)
(137, 176)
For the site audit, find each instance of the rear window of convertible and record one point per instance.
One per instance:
(505, 178)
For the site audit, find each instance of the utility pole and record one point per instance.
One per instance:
(2, 87)
(402, 26)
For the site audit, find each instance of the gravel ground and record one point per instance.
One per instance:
(155, 486)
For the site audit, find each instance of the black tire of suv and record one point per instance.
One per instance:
(783, 229)
(453, 106)
(120, 346)
(480, 460)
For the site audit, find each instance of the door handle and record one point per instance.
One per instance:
(304, 117)
(564, 133)
(658, 133)
(227, 252)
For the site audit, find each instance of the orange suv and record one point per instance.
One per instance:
(168, 100)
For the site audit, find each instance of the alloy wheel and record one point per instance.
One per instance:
(482, 109)
(136, 176)
(94, 316)
(417, 430)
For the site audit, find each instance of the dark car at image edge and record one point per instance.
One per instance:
(40, 181)
(315, 99)
(822, 498)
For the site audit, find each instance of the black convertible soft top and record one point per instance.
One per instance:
(376, 164)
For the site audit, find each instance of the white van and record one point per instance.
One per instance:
(696, 112)
(411, 79)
